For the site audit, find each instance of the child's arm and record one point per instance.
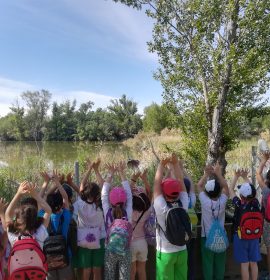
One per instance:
(46, 179)
(42, 204)
(178, 171)
(98, 175)
(208, 170)
(236, 176)
(23, 189)
(259, 177)
(121, 169)
(3, 206)
(72, 184)
(133, 180)
(106, 189)
(159, 177)
(146, 183)
(244, 175)
(223, 183)
(56, 179)
(86, 175)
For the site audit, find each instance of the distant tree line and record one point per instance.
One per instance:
(42, 120)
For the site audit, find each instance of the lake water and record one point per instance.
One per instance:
(23, 157)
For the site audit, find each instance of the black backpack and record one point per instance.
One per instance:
(177, 224)
(55, 248)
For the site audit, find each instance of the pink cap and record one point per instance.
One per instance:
(171, 187)
(117, 195)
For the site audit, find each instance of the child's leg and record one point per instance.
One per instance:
(165, 265)
(133, 270)
(86, 273)
(245, 271)
(141, 270)
(180, 267)
(125, 266)
(254, 270)
(207, 261)
(219, 265)
(266, 239)
(110, 265)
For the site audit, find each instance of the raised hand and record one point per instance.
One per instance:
(96, 164)
(45, 176)
(217, 168)
(89, 164)
(56, 176)
(244, 173)
(111, 168)
(23, 188)
(3, 205)
(208, 170)
(69, 178)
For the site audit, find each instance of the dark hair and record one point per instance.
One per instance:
(118, 212)
(68, 190)
(29, 201)
(26, 220)
(91, 193)
(187, 184)
(55, 201)
(216, 192)
(140, 202)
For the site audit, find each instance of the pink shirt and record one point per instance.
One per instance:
(138, 232)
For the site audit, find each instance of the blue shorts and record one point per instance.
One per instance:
(245, 251)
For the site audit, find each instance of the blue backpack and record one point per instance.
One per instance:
(217, 240)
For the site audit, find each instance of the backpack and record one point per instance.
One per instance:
(72, 237)
(250, 222)
(119, 235)
(177, 224)
(27, 260)
(217, 240)
(150, 228)
(55, 248)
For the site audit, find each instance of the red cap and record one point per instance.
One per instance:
(171, 187)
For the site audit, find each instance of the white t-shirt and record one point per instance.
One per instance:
(207, 205)
(161, 209)
(40, 235)
(88, 215)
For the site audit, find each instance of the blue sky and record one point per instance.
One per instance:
(85, 49)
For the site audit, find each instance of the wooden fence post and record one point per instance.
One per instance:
(76, 173)
(253, 164)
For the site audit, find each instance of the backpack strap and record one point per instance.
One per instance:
(109, 217)
(138, 220)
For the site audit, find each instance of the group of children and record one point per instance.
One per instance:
(106, 231)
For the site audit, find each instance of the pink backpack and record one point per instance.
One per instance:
(119, 234)
(27, 260)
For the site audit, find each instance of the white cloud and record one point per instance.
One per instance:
(10, 90)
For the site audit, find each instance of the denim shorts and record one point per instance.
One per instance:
(246, 250)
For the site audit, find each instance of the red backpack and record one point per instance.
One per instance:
(250, 225)
(26, 260)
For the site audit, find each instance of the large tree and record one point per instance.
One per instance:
(214, 61)
(38, 103)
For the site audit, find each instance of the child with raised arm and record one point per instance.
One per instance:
(141, 202)
(117, 208)
(171, 259)
(90, 220)
(59, 224)
(264, 184)
(213, 195)
(247, 225)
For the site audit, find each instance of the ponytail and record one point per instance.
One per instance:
(118, 211)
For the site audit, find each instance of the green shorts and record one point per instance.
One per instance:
(171, 266)
(88, 258)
